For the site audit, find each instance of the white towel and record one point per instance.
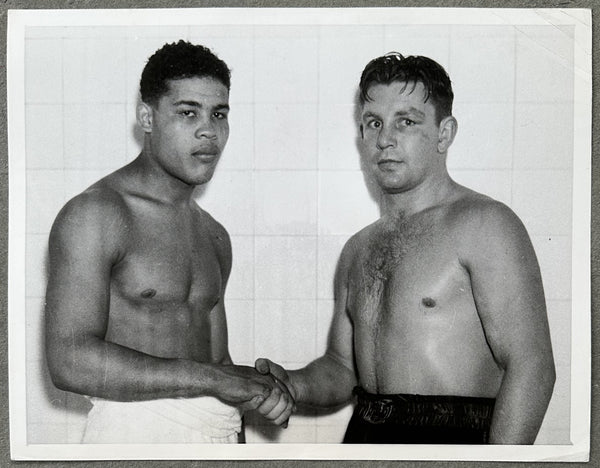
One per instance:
(164, 421)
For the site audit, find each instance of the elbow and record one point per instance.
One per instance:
(59, 376)
(342, 385)
(62, 384)
(66, 368)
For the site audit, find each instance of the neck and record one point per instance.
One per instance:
(157, 184)
(431, 192)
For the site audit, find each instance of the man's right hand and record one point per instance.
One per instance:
(246, 388)
(278, 407)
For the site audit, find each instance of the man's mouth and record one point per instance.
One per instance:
(208, 154)
(387, 163)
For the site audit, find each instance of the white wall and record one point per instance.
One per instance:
(289, 187)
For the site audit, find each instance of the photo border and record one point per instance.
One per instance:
(581, 353)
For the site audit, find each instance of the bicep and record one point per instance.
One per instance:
(341, 334)
(508, 291)
(78, 290)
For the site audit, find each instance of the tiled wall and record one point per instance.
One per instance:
(289, 188)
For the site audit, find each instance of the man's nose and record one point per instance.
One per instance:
(206, 128)
(385, 138)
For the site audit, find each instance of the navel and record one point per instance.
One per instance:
(148, 293)
(428, 302)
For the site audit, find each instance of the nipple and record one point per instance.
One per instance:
(428, 302)
(148, 293)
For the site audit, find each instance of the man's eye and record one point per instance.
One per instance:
(374, 124)
(408, 122)
(220, 115)
(188, 113)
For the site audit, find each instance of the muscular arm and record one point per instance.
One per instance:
(328, 381)
(509, 296)
(218, 318)
(85, 243)
(219, 338)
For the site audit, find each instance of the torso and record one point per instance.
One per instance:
(421, 333)
(167, 279)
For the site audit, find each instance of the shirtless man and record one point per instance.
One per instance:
(440, 320)
(137, 274)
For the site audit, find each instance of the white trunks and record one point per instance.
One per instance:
(164, 421)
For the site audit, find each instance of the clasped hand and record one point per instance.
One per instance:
(259, 389)
(280, 404)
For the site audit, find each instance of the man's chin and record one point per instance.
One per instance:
(199, 179)
(202, 180)
(391, 186)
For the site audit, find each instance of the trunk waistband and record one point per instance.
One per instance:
(425, 410)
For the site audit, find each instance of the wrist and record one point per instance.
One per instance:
(295, 385)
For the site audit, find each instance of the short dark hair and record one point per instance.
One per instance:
(177, 61)
(394, 66)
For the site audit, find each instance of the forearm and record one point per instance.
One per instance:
(325, 382)
(521, 404)
(107, 370)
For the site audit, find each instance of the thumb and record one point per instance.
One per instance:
(263, 366)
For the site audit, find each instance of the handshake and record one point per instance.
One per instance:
(265, 388)
(278, 406)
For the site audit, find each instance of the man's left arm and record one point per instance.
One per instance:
(509, 296)
(218, 322)
(219, 336)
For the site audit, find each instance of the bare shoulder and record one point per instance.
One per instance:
(210, 225)
(218, 235)
(482, 224)
(99, 212)
(358, 241)
(481, 215)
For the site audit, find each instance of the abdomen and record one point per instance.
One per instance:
(160, 328)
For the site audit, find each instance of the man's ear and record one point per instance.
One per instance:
(446, 134)
(144, 113)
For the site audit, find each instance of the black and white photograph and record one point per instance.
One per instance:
(294, 233)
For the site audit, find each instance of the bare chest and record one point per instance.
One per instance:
(415, 317)
(170, 259)
(410, 279)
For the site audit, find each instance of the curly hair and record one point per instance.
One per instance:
(177, 61)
